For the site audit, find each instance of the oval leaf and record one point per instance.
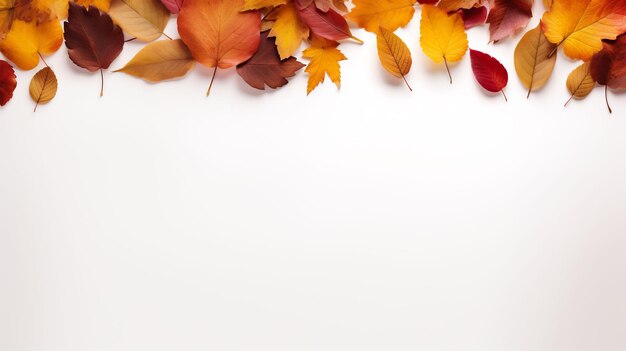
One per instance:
(489, 72)
(161, 60)
(43, 86)
(533, 62)
(8, 82)
(144, 19)
(580, 83)
(394, 54)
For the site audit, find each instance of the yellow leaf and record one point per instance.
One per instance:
(50, 9)
(580, 25)
(161, 60)
(288, 30)
(144, 19)
(533, 62)
(453, 5)
(443, 38)
(7, 15)
(26, 41)
(259, 4)
(325, 58)
(102, 5)
(580, 83)
(394, 55)
(390, 14)
(43, 86)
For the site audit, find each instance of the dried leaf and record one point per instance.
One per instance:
(43, 86)
(325, 58)
(218, 34)
(266, 67)
(580, 83)
(329, 25)
(288, 29)
(161, 60)
(390, 14)
(143, 19)
(443, 37)
(507, 17)
(93, 41)
(173, 6)
(25, 42)
(394, 54)
(489, 72)
(8, 82)
(533, 62)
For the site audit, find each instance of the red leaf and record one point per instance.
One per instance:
(474, 16)
(489, 72)
(8, 82)
(329, 25)
(92, 40)
(608, 67)
(507, 17)
(266, 68)
(173, 6)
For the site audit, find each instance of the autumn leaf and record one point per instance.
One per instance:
(46, 10)
(102, 5)
(580, 25)
(533, 62)
(454, 5)
(43, 86)
(8, 82)
(474, 16)
(259, 4)
(443, 37)
(266, 67)
(324, 5)
(580, 83)
(173, 6)
(390, 14)
(608, 67)
(27, 42)
(161, 60)
(288, 30)
(507, 17)
(93, 41)
(325, 58)
(329, 25)
(143, 19)
(394, 54)
(218, 34)
(489, 72)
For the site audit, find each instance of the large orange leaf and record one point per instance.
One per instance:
(218, 34)
(580, 25)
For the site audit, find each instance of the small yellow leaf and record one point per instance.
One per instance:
(161, 60)
(580, 83)
(288, 30)
(394, 54)
(144, 19)
(26, 41)
(43, 86)
(259, 4)
(533, 62)
(325, 58)
(443, 38)
(390, 14)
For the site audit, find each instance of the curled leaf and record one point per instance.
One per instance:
(43, 86)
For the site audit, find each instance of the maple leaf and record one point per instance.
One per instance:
(218, 34)
(173, 6)
(143, 19)
(43, 86)
(580, 25)
(608, 66)
(329, 25)
(443, 38)
(489, 72)
(390, 14)
(325, 58)
(93, 41)
(8, 82)
(26, 42)
(580, 83)
(507, 17)
(266, 67)
(533, 62)
(394, 54)
(160, 60)
(288, 29)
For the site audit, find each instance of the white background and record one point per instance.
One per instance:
(369, 218)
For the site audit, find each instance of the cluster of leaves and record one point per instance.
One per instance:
(260, 38)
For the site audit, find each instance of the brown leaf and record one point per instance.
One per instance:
(43, 86)
(266, 68)
(92, 40)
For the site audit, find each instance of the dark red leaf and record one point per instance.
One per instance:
(608, 67)
(489, 72)
(8, 82)
(266, 68)
(474, 16)
(329, 25)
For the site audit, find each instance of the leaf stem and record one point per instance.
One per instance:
(569, 100)
(42, 59)
(606, 97)
(503, 94)
(129, 40)
(101, 83)
(407, 83)
(556, 48)
(357, 40)
(447, 69)
(167, 36)
(212, 80)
